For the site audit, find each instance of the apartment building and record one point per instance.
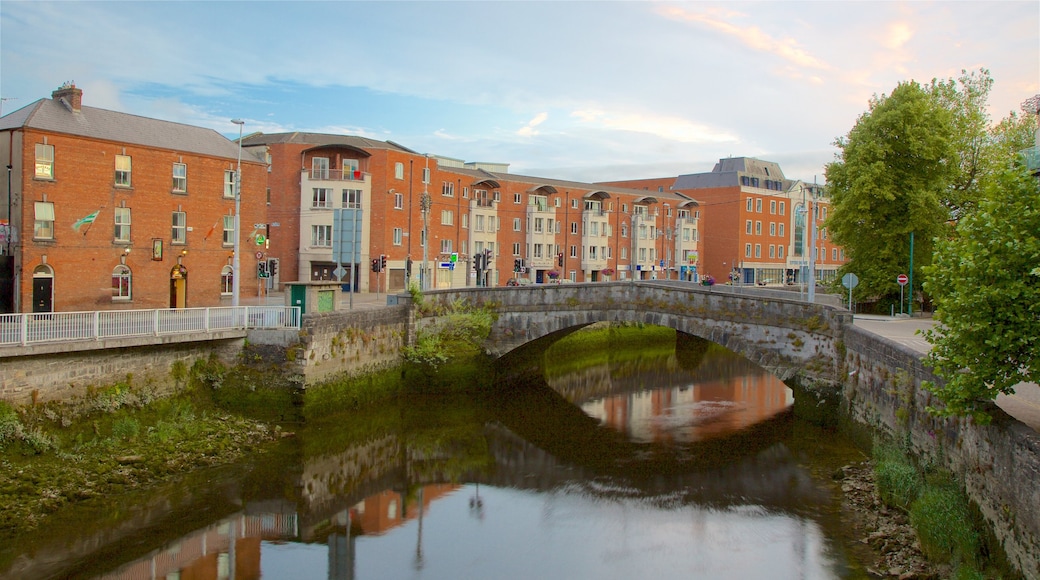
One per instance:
(757, 224)
(483, 224)
(106, 210)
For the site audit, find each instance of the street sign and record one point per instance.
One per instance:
(259, 255)
(340, 272)
(902, 279)
(849, 280)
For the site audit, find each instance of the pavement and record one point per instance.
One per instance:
(1023, 404)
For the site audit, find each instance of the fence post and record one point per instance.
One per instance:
(97, 325)
(155, 321)
(25, 329)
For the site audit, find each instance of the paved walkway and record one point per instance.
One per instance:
(1023, 405)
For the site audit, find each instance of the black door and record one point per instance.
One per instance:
(43, 294)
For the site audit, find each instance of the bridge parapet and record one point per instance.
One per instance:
(787, 337)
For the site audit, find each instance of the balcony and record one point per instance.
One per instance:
(334, 175)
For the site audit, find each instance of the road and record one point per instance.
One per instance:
(1023, 405)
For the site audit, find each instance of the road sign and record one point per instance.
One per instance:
(849, 280)
(340, 272)
(902, 279)
(259, 255)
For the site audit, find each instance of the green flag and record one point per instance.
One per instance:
(88, 219)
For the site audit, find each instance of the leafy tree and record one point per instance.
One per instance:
(966, 99)
(985, 280)
(889, 180)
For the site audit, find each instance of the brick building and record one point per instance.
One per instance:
(546, 227)
(108, 210)
(756, 222)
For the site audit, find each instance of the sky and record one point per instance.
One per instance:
(580, 90)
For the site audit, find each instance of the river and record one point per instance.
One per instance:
(591, 458)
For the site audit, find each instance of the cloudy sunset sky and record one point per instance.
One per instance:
(580, 90)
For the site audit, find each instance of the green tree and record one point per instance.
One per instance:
(985, 280)
(888, 181)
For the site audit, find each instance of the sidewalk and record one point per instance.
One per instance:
(1023, 405)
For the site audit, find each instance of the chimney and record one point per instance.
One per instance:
(69, 96)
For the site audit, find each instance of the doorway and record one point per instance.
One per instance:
(179, 287)
(43, 289)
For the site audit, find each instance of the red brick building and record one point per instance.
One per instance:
(756, 222)
(108, 210)
(548, 228)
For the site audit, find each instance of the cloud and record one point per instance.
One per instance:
(529, 129)
(666, 127)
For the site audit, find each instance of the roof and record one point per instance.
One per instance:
(320, 139)
(727, 172)
(51, 115)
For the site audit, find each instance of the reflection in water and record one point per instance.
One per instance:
(669, 473)
(695, 411)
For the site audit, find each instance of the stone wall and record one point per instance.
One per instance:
(998, 464)
(351, 342)
(64, 376)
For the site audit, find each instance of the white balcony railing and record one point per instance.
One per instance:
(46, 327)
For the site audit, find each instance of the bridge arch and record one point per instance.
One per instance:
(789, 338)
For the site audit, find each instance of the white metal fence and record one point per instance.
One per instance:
(42, 327)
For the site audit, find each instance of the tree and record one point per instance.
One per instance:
(966, 100)
(888, 181)
(985, 280)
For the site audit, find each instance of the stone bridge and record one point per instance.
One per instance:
(790, 338)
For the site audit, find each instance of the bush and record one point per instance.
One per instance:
(944, 526)
(125, 428)
(898, 480)
(10, 425)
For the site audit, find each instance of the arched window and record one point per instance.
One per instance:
(227, 280)
(122, 284)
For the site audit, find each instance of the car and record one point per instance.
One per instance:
(512, 282)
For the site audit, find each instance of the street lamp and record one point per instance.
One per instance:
(236, 279)
(424, 205)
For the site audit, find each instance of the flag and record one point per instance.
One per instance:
(211, 230)
(87, 219)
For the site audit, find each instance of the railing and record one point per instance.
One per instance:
(335, 174)
(45, 327)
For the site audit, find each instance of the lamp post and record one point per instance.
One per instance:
(236, 279)
(424, 205)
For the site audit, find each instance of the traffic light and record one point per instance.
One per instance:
(382, 262)
(272, 267)
(375, 264)
(261, 270)
(559, 259)
(516, 265)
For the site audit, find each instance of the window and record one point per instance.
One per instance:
(180, 177)
(426, 175)
(44, 226)
(448, 189)
(229, 230)
(772, 206)
(747, 227)
(122, 222)
(642, 231)
(516, 224)
(624, 253)
(772, 228)
(750, 203)
(478, 223)
(780, 252)
(780, 230)
(320, 168)
(747, 250)
(574, 251)
(398, 170)
(321, 236)
(122, 171)
(758, 228)
(121, 283)
(446, 246)
(497, 196)
(322, 197)
(758, 250)
(227, 281)
(465, 193)
(574, 228)
(350, 167)
(447, 217)
(624, 230)
(516, 249)
(772, 251)
(539, 225)
(516, 198)
(180, 230)
(782, 206)
(352, 198)
(745, 180)
(398, 201)
(398, 234)
(834, 254)
(574, 204)
(229, 183)
(465, 220)
(44, 161)
(758, 205)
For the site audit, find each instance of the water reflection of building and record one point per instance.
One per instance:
(228, 549)
(695, 411)
(377, 514)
